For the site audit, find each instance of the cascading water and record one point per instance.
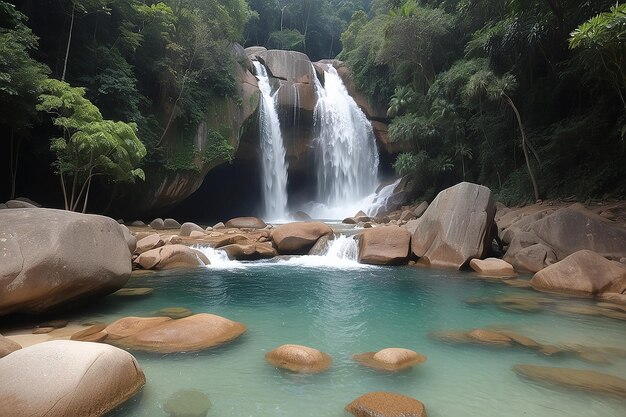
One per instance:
(347, 157)
(273, 164)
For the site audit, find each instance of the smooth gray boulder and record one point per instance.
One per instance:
(188, 227)
(66, 378)
(171, 224)
(157, 224)
(52, 257)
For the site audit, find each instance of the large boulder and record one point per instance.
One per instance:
(386, 404)
(575, 228)
(388, 245)
(250, 252)
(189, 334)
(297, 358)
(582, 273)
(246, 223)
(188, 227)
(7, 346)
(53, 257)
(65, 378)
(574, 378)
(298, 238)
(172, 256)
(455, 227)
(149, 242)
(527, 254)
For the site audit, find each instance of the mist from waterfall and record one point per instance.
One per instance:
(346, 154)
(273, 163)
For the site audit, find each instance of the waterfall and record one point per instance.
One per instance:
(343, 247)
(273, 164)
(346, 153)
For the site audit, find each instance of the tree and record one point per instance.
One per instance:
(90, 146)
(21, 78)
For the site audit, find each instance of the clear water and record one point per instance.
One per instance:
(351, 309)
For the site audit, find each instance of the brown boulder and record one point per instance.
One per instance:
(526, 254)
(386, 404)
(95, 333)
(455, 227)
(172, 256)
(388, 245)
(251, 252)
(53, 257)
(582, 273)
(187, 228)
(129, 326)
(246, 223)
(193, 333)
(150, 242)
(574, 378)
(298, 238)
(390, 359)
(66, 378)
(299, 358)
(7, 346)
(489, 337)
(492, 267)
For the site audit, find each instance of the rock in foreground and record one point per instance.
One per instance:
(163, 335)
(387, 245)
(386, 404)
(390, 359)
(172, 256)
(574, 378)
(456, 227)
(65, 378)
(298, 238)
(582, 273)
(299, 358)
(52, 257)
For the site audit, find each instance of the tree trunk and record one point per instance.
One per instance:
(524, 148)
(14, 161)
(69, 42)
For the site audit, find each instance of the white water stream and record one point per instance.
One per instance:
(273, 164)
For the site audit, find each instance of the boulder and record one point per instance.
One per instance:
(386, 404)
(189, 334)
(138, 223)
(252, 252)
(67, 378)
(298, 238)
(17, 204)
(390, 359)
(582, 273)
(129, 326)
(197, 235)
(321, 246)
(525, 254)
(246, 223)
(288, 65)
(574, 378)
(95, 333)
(455, 227)
(421, 209)
(157, 224)
(219, 225)
(388, 245)
(492, 267)
(172, 256)
(489, 337)
(230, 240)
(150, 242)
(174, 312)
(407, 215)
(7, 346)
(188, 227)
(575, 228)
(53, 257)
(187, 403)
(171, 224)
(301, 359)
(301, 216)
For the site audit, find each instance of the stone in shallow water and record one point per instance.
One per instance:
(574, 378)
(129, 292)
(390, 359)
(187, 403)
(299, 358)
(129, 326)
(174, 312)
(386, 404)
(492, 267)
(489, 337)
(519, 303)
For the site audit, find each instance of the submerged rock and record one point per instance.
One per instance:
(189, 334)
(386, 404)
(246, 223)
(134, 292)
(299, 358)
(390, 359)
(66, 378)
(298, 238)
(53, 257)
(574, 378)
(388, 245)
(187, 403)
(174, 312)
(456, 227)
(582, 273)
(489, 337)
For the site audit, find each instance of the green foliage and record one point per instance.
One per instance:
(218, 147)
(290, 39)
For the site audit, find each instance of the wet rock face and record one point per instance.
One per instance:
(388, 245)
(297, 358)
(455, 227)
(52, 257)
(68, 378)
(582, 273)
(573, 378)
(386, 404)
